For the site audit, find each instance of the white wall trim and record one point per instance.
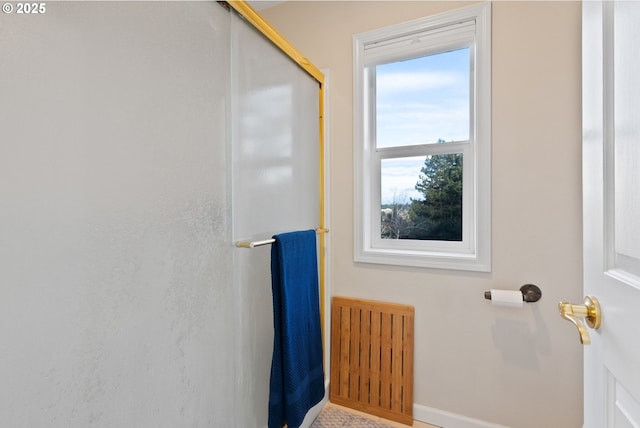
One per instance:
(449, 420)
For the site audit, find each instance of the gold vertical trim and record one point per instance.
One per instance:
(253, 17)
(323, 236)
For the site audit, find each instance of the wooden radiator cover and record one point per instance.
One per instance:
(372, 357)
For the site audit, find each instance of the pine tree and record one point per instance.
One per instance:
(439, 215)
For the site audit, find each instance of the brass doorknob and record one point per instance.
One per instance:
(590, 311)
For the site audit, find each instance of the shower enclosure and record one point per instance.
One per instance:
(138, 142)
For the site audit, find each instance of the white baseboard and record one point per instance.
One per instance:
(448, 420)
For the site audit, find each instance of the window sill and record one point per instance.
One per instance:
(423, 259)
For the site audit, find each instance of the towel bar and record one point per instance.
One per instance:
(253, 244)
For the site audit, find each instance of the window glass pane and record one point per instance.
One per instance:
(421, 198)
(423, 100)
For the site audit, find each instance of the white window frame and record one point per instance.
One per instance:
(460, 28)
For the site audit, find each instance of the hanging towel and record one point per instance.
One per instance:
(297, 374)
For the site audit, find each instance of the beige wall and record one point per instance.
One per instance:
(519, 368)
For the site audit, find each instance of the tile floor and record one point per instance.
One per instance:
(416, 424)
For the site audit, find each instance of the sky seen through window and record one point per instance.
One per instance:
(419, 101)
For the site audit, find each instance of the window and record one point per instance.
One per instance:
(422, 117)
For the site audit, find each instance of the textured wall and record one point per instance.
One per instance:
(519, 368)
(115, 263)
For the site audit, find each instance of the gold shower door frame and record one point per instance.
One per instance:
(244, 9)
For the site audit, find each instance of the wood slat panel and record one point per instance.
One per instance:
(345, 344)
(396, 362)
(365, 353)
(334, 377)
(407, 366)
(372, 357)
(385, 361)
(354, 356)
(374, 376)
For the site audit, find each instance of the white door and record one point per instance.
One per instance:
(611, 180)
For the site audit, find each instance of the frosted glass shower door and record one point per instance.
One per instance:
(275, 151)
(275, 139)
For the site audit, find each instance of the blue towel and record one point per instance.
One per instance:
(297, 373)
